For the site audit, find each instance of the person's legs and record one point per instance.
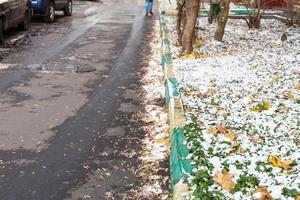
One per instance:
(150, 6)
(147, 6)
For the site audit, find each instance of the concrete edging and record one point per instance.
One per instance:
(180, 167)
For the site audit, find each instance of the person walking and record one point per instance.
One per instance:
(148, 7)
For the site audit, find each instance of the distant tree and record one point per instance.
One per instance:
(187, 14)
(222, 19)
(214, 10)
(256, 9)
(181, 18)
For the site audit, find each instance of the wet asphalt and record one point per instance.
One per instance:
(91, 153)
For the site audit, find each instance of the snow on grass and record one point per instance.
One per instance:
(245, 95)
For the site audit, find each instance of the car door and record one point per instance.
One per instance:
(21, 7)
(12, 14)
(60, 4)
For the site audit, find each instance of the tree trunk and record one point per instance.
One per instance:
(211, 13)
(296, 19)
(192, 9)
(255, 18)
(255, 21)
(180, 20)
(222, 19)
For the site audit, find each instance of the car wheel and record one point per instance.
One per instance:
(50, 13)
(27, 21)
(69, 9)
(1, 32)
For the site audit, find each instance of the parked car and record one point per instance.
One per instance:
(47, 8)
(14, 13)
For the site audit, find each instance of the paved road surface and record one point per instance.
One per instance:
(73, 135)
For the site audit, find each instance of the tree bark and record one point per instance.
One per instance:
(192, 9)
(296, 19)
(255, 18)
(212, 13)
(254, 21)
(222, 19)
(180, 20)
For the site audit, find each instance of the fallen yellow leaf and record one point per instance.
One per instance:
(290, 95)
(190, 55)
(212, 90)
(275, 161)
(198, 43)
(261, 106)
(275, 78)
(230, 136)
(266, 106)
(162, 140)
(195, 55)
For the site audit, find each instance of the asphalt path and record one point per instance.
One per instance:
(66, 135)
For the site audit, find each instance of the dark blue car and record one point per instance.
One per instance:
(47, 8)
(14, 13)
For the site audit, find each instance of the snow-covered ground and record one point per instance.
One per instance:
(245, 94)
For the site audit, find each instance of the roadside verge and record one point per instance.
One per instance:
(180, 167)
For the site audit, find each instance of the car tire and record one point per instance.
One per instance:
(69, 9)
(50, 17)
(1, 32)
(27, 21)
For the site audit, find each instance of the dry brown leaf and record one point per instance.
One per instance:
(218, 178)
(196, 94)
(230, 135)
(212, 90)
(228, 185)
(264, 191)
(297, 86)
(224, 180)
(222, 129)
(297, 197)
(212, 130)
(275, 78)
(241, 150)
(287, 164)
(254, 138)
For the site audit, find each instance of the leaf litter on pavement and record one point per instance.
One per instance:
(156, 142)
